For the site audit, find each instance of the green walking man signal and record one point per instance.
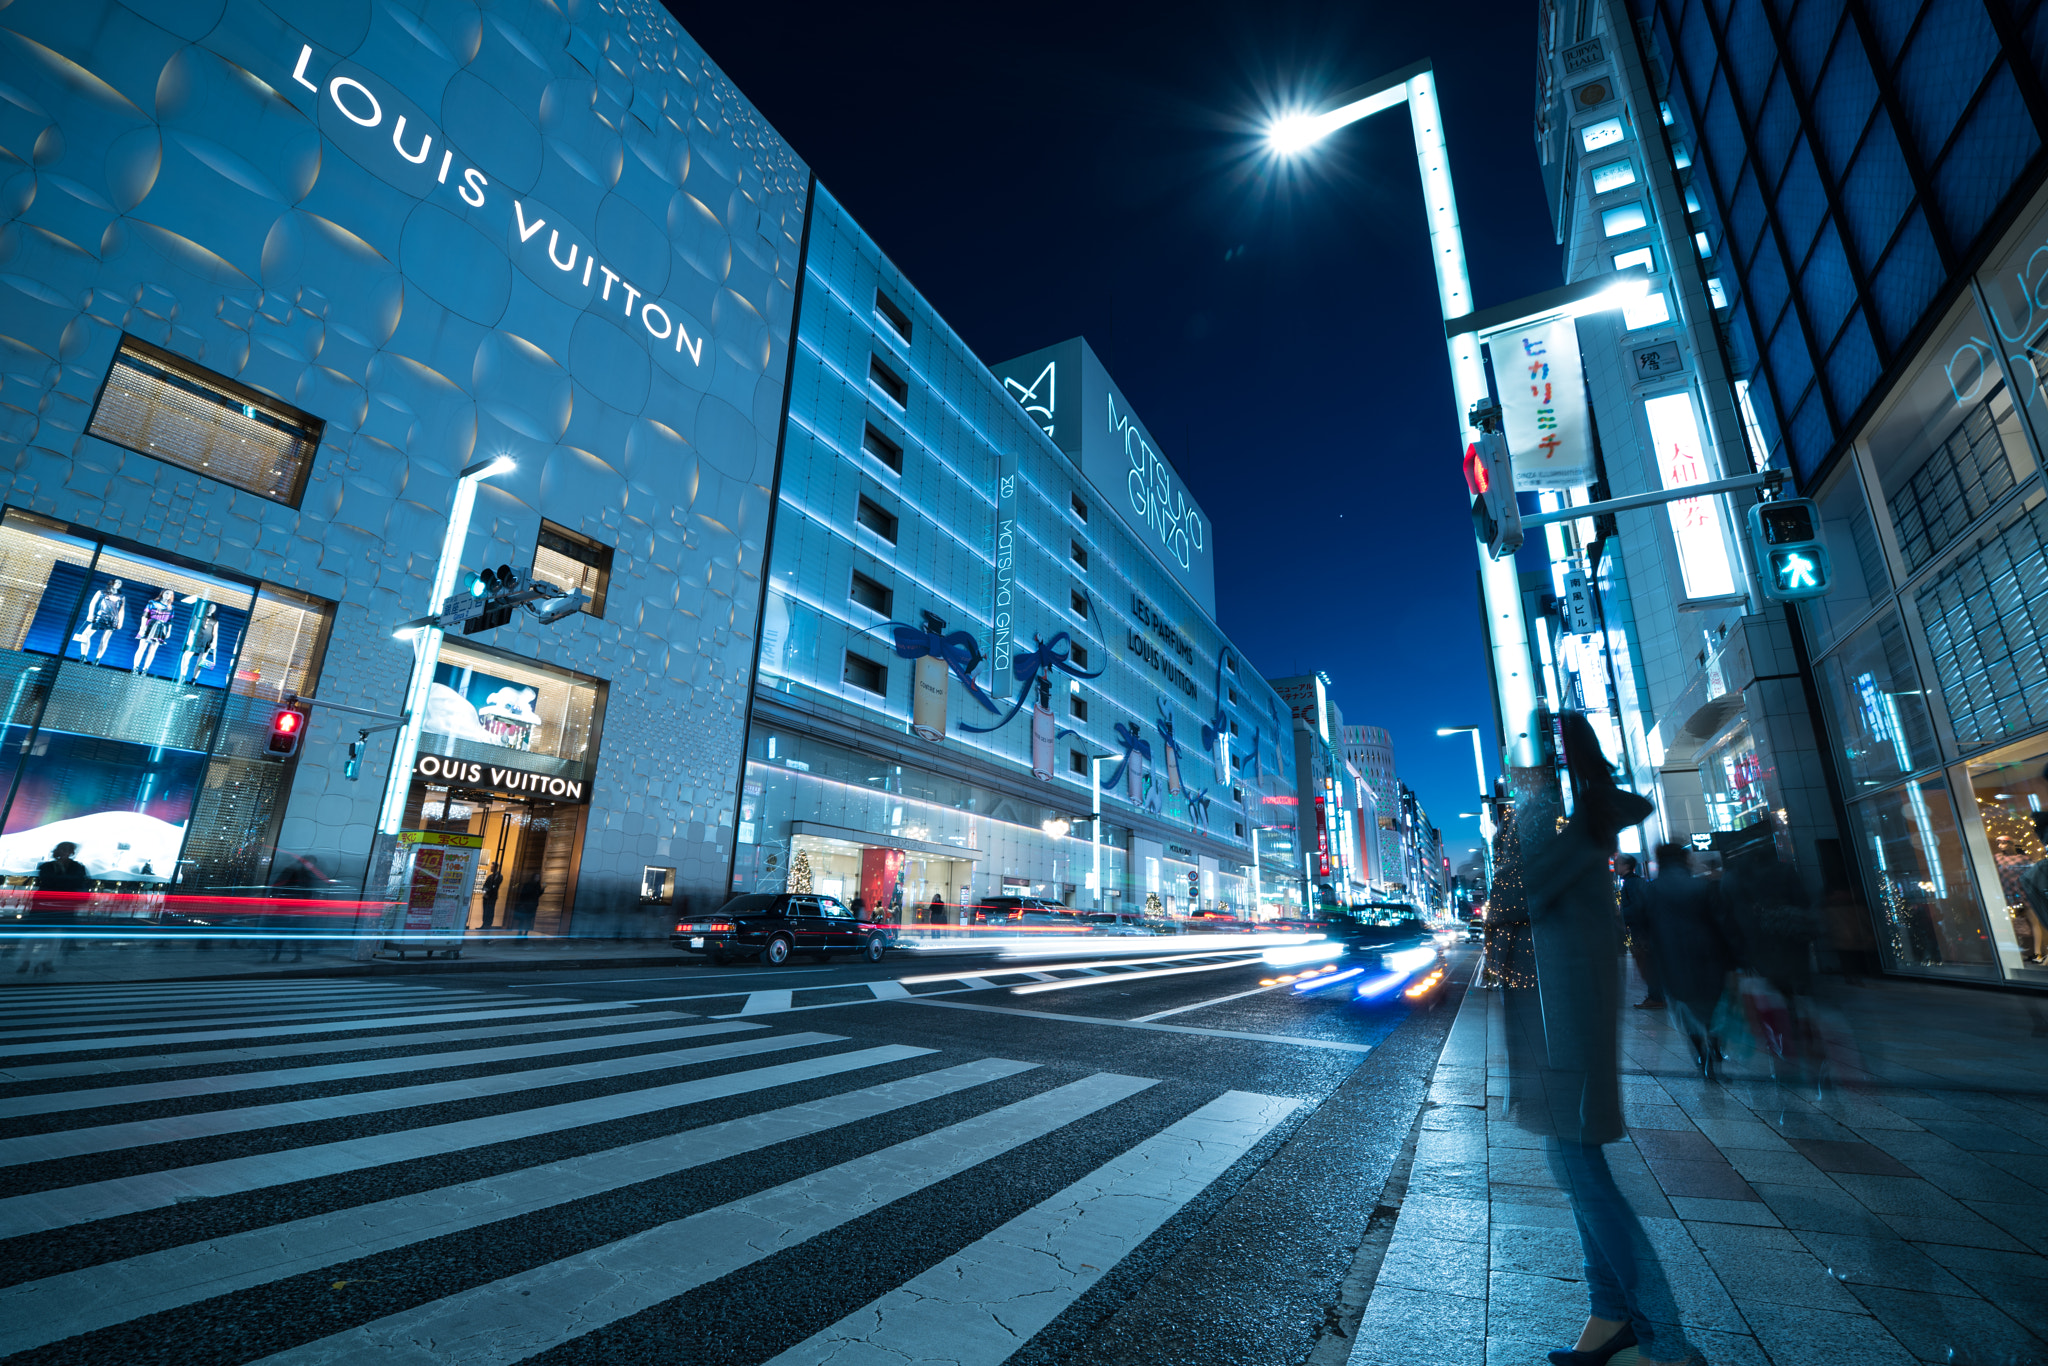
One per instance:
(1789, 553)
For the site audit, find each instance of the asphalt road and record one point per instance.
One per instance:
(941, 1159)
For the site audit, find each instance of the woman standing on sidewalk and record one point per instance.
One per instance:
(1564, 1078)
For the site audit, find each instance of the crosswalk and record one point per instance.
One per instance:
(343, 1171)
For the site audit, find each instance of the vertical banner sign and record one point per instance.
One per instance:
(1581, 617)
(1543, 403)
(440, 876)
(1695, 522)
(928, 698)
(1003, 608)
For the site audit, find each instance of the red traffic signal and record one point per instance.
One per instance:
(287, 728)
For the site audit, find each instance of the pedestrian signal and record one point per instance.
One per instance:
(287, 728)
(1789, 552)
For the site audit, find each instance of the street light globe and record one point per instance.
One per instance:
(1291, 133)
(1056, 826)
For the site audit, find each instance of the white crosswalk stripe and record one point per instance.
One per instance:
(288, 1199)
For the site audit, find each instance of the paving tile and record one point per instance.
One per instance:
(1517, 1213)
(2024, 1299)
(1680, 1145)
(1432, 1216)
(1823, 1209)
(1982, 1138)
(1738, 1133)
(1968, 1262)
(1971, 1179)
(1711, 1236)
(1808, 1126)
(1536, 1308)
(1881, 1261)
(1653, 1117)
(1714, 1180)
(1727, 1349)
(2023, 1222)
(1850, 1155)
(1502, 1136)
(1402, 1327)
(1968, 1229)
(1518, 1167)
(1913, 1145)
(2026, 1167)
(1907, 1195)
(1693, 1209)
(1796, 1334)
(1434, 1264)
(1755, 1274)
(1755, 1164)
(1537, 1251)
(1921, 1107)
(1932, 1326)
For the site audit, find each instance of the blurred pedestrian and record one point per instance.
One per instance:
(1696, 948)
(300, 880)
(493, 882)
(935, 914)
(1642, 934)
(1564, 1075)
(61, 884)
(526, 904)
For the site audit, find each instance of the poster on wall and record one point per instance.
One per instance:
(124, 805)
(1543, 405)
(440, 876)
(134, 624)
(468, 704)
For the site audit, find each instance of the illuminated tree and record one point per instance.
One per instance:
(800, 872)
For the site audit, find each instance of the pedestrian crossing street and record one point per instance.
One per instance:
(344, 1171)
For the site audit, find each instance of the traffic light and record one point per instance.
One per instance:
(491, 585)
(1495, 517)
(354, 767)
(287, 728)
(1789, 553)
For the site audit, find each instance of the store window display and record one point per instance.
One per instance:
(1927, 914)
(2011, 789)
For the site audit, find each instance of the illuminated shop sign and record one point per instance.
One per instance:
(360, 105)
(435, 768)
(1068, 394)
(1695, 522)
(1003, 606)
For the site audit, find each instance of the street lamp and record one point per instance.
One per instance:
(426, 639)
(1500, 588)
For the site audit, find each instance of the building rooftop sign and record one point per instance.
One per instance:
(1068, 393)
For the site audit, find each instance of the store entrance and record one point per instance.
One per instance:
(531, 847)
(894, 886)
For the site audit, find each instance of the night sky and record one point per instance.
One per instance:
(1044, 170)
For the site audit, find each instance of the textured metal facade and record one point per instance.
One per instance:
(232, 182)
(1852, 161)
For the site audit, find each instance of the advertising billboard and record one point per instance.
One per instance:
(1065, 390)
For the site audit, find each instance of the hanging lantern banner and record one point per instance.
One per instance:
(1543, 403)
(928, 699)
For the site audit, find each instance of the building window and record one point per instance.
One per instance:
(1717, 292)
(1080, 508)
(1615, 175)
(892, 313)
(1079, 553)
(1080, 602)
(1606, 133)
(876, 518)
(1680, 157)
(1233, 728)
(1077, 655)
(882, 448)
(889, 382)
(1641, 256)
(1647, 311)
(1078, 762)
(159, 404)
(865, 674)
(1623, 218)
(871, 595)
(1240, 829)
(1077, 707)
(1237, 795)
(1692, 200)
(1702, 245)
(1232, 694)
(565, 559)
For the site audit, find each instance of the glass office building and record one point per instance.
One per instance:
(1867, 186)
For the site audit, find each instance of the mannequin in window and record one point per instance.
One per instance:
(202, 640)
(106, 613)
(155, 628)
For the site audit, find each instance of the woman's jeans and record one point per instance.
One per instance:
(1622, 1272)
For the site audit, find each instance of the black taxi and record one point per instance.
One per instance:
(771, 926)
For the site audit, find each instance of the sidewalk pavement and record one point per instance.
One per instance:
(1900, 1218)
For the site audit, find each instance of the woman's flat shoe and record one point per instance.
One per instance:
(1623, 1338)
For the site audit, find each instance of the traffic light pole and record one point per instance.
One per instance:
(1656, 499)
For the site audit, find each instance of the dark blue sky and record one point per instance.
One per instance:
(1045, 170)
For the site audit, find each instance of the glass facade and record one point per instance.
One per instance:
(139, 699)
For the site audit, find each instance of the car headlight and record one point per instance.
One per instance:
(1408, 960)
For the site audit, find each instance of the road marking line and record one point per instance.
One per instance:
(181, 1088)
(523, 1315)
(114, 1001)
(707, 975)
(1182, 1010)
(1135, 1024)
(973, 983)
(95, 1067)
(765, 1002)
(888, 991)
(60, 1012)
(97, 1200)
(37, 1313)
(329, 1025)
(1251, 955)
(997, 1293)
(1057, 984)
(144, 1133)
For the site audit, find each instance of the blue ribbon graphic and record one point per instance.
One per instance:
(1049, 656)
(958, 649)
(1133, 743)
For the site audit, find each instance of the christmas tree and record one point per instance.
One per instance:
(800, 872)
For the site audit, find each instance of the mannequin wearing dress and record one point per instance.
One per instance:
(202, 641)
(155, 629)
(106, 614)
